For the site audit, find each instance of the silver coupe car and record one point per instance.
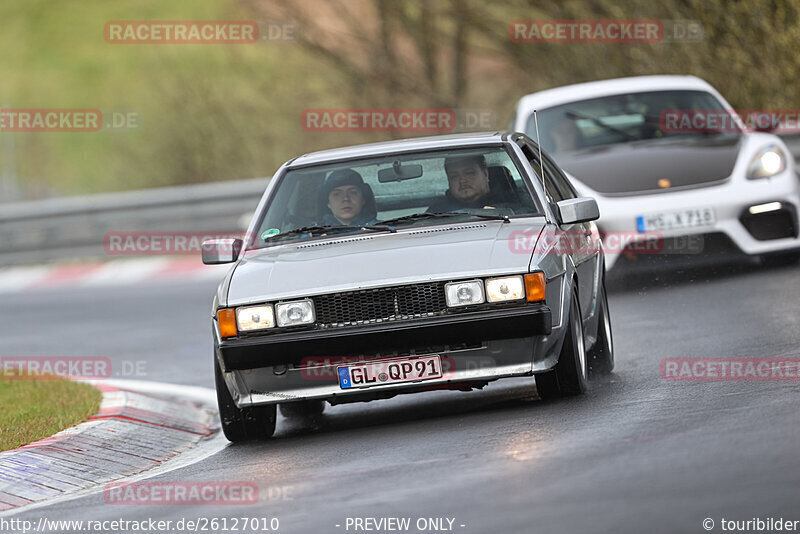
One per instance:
(433, 263)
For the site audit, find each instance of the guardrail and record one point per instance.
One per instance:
(74, 227)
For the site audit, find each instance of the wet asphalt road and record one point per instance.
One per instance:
(635, 454)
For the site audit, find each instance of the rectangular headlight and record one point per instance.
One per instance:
(506, 288)
(255, 318)
(295, 313)
(464, 293)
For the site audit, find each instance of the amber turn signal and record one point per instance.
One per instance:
(535, 287)
(227, 322)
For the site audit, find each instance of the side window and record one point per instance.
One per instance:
(553, 191)
(560, 179)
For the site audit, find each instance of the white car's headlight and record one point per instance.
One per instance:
(255, 318)
(295, 313)
(506, 288)
(768, 162)
(464, 293)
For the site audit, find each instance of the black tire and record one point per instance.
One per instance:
(303, 409)
(242, 424)
(601, 355)
(569, 377)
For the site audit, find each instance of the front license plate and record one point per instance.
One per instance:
(675, 220)
(390, 372)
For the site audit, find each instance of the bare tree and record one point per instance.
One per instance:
(391, 52)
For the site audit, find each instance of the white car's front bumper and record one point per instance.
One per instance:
(730, 201)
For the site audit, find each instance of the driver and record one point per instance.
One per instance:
(347, 200)
(468, 178)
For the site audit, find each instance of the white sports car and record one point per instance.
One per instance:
(652, 177)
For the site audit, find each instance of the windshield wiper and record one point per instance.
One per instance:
(503, 218)
(415, 216)
(435, 215)
(334, 228)
(575, 115)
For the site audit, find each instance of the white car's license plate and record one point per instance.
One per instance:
(675, 220)
(390, 372)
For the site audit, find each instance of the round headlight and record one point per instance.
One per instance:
(464, 293)
(767, 162)
(295, 313)
(772, 163)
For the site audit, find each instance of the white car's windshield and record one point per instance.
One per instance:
(617, 119)
(386, 192)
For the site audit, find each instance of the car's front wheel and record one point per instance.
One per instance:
(569, 376)
(601, 356)
(241, 424)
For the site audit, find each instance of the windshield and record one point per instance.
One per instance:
(616, 119)
(387, 192)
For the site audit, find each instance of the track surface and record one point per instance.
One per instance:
(636, 454)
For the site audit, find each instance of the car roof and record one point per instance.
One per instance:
(634, 84)
(399, 146)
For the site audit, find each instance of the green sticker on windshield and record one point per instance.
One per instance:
(272, 232)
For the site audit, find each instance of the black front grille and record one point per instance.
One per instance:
(380, 305)
(778, 224)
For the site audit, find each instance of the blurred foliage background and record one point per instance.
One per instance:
(217, 112)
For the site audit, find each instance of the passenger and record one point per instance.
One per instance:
(347, 200)
(468, 178)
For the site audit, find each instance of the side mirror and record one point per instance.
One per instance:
(217, 251)
(577, 210)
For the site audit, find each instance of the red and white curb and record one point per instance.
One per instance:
(110, 273)
(142, 429)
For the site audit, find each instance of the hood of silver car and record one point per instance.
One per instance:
(343, 263)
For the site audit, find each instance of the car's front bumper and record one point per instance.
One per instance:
(730, 201)
(475, 347)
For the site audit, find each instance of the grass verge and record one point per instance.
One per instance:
(34, 409)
